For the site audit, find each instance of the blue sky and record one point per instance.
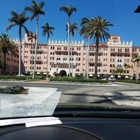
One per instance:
(118, 12)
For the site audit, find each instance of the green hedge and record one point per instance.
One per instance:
(10, 77)
(129, 81)
(36, 77)
(66, 79)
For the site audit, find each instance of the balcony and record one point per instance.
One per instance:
(65, 51)
(93, 62)
(38, 49)
(134, 53)
(93, 52)
(32, 59)
(116, 52)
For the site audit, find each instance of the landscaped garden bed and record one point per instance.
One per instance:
(13, 90)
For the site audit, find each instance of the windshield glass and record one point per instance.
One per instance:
(68, 54)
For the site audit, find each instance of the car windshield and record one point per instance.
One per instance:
(56, 56)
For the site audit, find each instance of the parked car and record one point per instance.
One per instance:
(111, 79)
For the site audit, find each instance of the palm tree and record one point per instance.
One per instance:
(18, 20)
(7, 46)
(31, 36)
(97, 28)
(68, 10)
(36, 10)
(73, 27)
(47, 29)
(136, 58)
(126, 66)
(2, 65)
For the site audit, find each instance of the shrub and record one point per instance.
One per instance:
(10, 77)
(80, 80)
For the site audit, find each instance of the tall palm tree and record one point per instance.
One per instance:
(18, 20)
(73, 27)
(97, 28)
(31, 36)
(136, 58)
(47, 29)
(7, 46)
(68, 10)
(36, 10)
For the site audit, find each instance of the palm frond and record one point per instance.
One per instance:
(10, 26)
(41, 5)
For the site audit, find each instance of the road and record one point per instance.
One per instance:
(87, 94)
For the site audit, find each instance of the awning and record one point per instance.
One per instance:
(126, 77)
(38, 72)
(44, 73)
(31, 72)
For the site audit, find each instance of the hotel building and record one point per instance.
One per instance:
(54, 56)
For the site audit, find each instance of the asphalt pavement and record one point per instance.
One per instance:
(94, 94)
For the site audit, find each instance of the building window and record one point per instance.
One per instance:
(65, 48)
(58, 48)
(119, 55)
(119, 50)
(126, 49)
(78, 48)
(134, 50)
(52, 47)
(112, 49)
(112, 55)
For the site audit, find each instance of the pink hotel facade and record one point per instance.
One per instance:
(113, 53)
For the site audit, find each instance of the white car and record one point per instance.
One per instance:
(111, 79)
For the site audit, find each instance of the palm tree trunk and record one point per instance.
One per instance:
(71, 56)
(36, 47)
(96, 55)
(87, 58)
(4, 65)
(32, 58)
(69, 44)
(137, 74)
(47, 55)
(19, 72)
